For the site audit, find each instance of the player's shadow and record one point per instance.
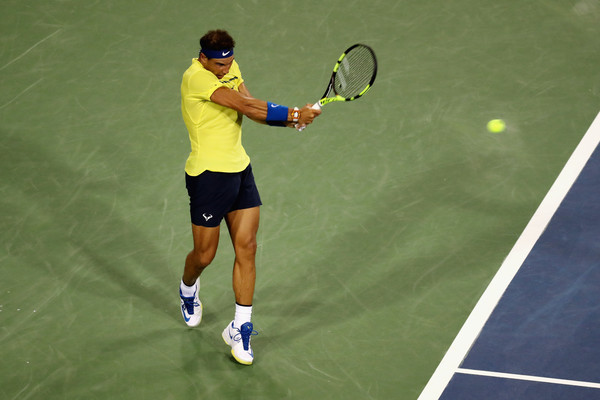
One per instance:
(79, 232)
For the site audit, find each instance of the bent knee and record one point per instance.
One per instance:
(202, 258)
(247, 246)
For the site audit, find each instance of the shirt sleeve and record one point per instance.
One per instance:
(203, 84)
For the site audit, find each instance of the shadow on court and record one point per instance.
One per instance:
(74, 228)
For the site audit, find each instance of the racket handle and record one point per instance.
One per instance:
(316, 106)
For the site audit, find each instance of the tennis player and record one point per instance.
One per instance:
(219, 178)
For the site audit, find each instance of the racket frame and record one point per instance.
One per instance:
(331, 86)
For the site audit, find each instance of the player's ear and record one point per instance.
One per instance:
(202, 58)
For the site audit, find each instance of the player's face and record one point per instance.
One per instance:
(218, 66)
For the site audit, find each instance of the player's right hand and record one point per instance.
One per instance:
(307, 116)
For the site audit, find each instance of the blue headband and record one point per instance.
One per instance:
(217, 53)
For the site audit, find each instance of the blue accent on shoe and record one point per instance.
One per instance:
(245, 331)
(229, 330)
(189, 303)
(185, 318)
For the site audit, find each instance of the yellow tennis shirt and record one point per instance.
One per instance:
(215, 131)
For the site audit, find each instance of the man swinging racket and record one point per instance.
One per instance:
(219, 178)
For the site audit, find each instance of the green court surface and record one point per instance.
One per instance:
(382, 223)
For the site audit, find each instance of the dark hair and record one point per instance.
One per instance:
(217, 40)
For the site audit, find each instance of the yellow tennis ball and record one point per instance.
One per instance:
(496, 126)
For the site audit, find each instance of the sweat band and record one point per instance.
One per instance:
(217, 53)
(276, 115)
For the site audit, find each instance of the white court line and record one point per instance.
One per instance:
(490, 298)
(528, 378)
(21, 93)
(29, 49)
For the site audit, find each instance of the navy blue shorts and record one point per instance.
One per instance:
(214, 194)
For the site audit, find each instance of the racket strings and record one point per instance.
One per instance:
(355, 72)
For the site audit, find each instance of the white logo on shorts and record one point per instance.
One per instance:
(207, 217)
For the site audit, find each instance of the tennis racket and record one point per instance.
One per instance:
(353, 75)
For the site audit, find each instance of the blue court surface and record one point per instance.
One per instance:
(541, 339)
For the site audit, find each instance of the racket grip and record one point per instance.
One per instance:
(316, 106)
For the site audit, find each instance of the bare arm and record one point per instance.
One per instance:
(256, 109)
(243, 89)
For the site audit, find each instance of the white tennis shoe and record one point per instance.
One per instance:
(191, 308)
(239, 340)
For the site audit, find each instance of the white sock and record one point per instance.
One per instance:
(188, 291)
(243, 314)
